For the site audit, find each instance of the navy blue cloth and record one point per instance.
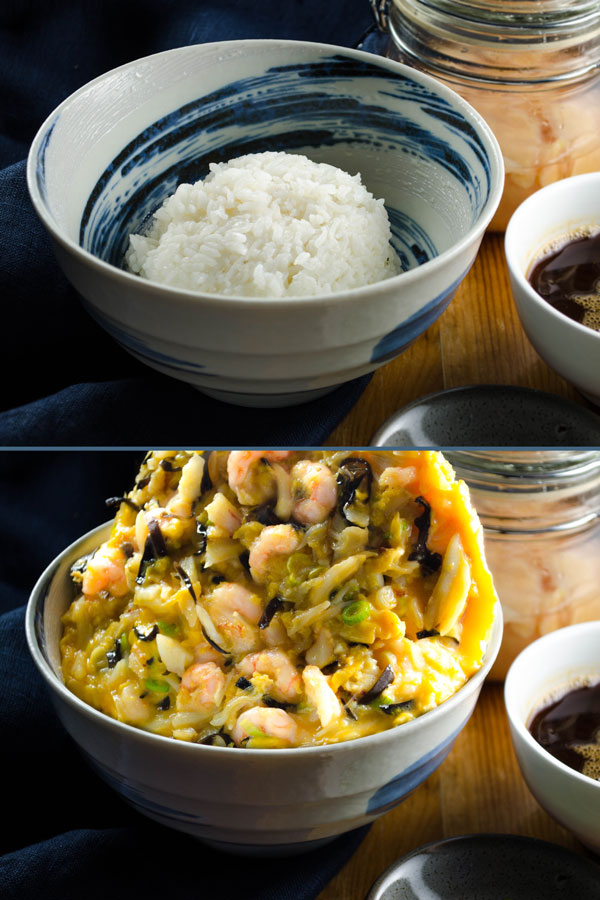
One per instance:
(66, 835)
(64, 381)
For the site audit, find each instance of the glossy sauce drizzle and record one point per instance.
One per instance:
(569, 729)
(569, 279)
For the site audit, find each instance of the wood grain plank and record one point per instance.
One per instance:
(477, 340)
(477, 789)
(482, 789)
(481, 335)
(418, 371)
(415, 822)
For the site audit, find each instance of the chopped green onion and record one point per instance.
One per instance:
(356, 612)
(380, 701)
(124, 643)
(168, 628)
(161, 687)
(350, 595)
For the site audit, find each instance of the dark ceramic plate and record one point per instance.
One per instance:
(490, 416)
(489, 867)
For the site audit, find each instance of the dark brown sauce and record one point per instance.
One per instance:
(569, 279)
(569, 729)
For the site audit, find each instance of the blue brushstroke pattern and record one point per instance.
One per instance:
(396, 341)
(396, 790)
(139, 348)
(120, 784)
(40, 168)
(293, 108)
(412, 244)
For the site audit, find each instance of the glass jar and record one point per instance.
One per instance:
(540, 511)
(530, 67)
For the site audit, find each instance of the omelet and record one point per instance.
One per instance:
(281, 598)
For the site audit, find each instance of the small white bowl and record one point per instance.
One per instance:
(253, 802)
(112, 152)
(549, 215)
(545, 671)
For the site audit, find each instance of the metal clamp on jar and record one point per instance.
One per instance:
(532, 69)
(540, 511)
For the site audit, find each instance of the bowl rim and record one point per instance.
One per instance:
(183, 296)
(511, 243)
(551, 643)
(123, 729)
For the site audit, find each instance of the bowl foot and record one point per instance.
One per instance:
(271, 851)
(266, 401)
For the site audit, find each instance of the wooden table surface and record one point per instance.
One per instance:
(478, 788)
(477, 340)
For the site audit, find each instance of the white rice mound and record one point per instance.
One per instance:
(268, 225)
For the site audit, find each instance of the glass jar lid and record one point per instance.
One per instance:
(516, 42)
(520, 14)
(526, 470)
(531, 491)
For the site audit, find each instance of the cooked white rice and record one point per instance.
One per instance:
(268, 225)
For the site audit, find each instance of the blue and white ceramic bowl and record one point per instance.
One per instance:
(109, 155)
(266, 802)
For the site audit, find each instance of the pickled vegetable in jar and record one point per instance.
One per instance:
(530, 67)
(540, 511)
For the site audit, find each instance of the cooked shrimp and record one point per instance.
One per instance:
(321, 695)
(273, 541)
(202, 688)
(262, 720)
(275, 634)
(205, 653)
(131, 707)
(236, 612)
(277, 664)
(244, 475)
(188, 489)
(105, 571)
(315, 487)
(230, 597)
